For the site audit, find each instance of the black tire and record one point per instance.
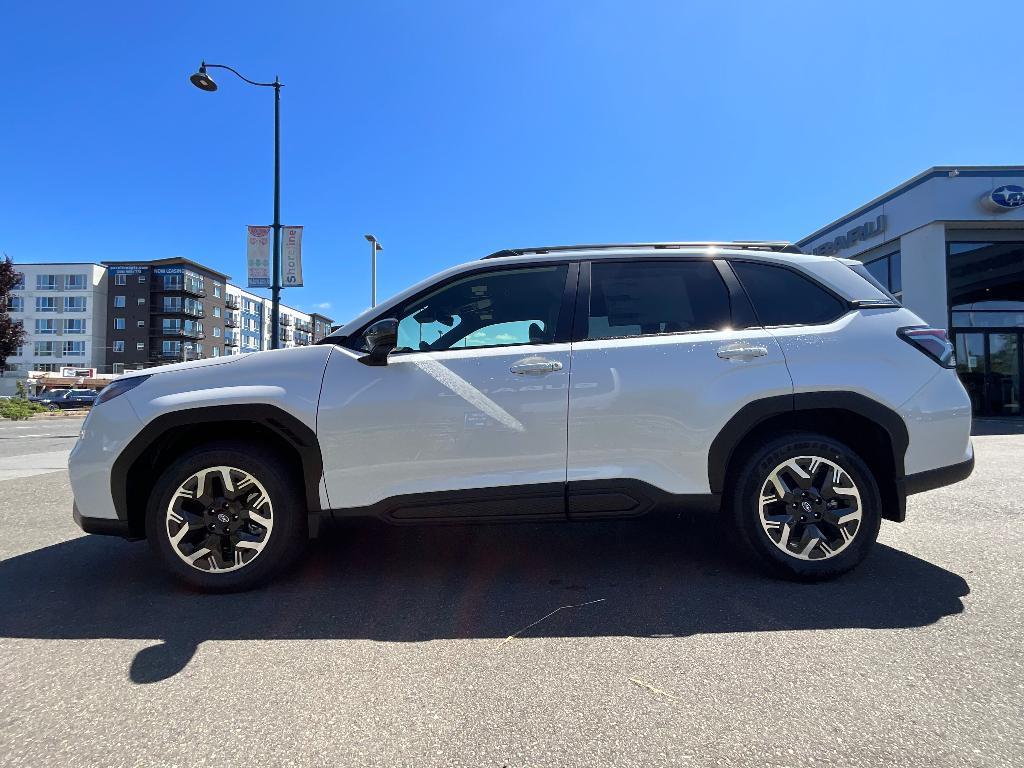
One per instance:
(284, 542)
(743, 515)
(52, 408)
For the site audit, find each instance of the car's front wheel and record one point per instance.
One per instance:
(806, 506)
(226, 517)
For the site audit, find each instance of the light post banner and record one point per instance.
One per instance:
(258, 257)
(291, 257)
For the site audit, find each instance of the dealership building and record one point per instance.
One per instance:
(950, 244)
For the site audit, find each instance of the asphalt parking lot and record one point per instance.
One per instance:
(451, 646)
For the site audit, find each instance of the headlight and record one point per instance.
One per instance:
(119, 387)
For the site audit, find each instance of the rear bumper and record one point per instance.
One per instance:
(103, 526)
(936, 478)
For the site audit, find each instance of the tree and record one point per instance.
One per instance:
(12, 333)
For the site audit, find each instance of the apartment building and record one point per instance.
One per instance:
(250, 323)
(122, 315)
(63, 310)
(163, 311)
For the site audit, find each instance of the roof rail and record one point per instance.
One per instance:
(776, 246)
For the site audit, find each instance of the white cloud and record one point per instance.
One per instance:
(322, 305)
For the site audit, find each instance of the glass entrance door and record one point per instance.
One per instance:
(989, 364)
(1004, 374)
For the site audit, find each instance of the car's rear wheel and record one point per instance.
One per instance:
(806, 506)
(226, 517)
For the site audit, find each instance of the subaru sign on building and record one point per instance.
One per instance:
(950, 244)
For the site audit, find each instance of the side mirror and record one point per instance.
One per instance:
(381, 338)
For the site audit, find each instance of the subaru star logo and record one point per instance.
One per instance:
(1008, 196)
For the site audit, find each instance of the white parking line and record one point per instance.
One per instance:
(31, 464)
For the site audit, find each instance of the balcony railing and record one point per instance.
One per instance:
(182, 310)
(231, 342)
(230, 321)
(286, 320)
(185, 332)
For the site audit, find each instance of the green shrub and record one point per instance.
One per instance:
(19, 410)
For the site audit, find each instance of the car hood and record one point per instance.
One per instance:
(191, 364)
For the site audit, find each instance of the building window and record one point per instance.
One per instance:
(118, 346)
(46, 326)
(142, 302)
(216, 311)
(216, 290)
(140, 345)
(118, 323)
(74, 349)
(15, 304)
(173, 282)
(172, 303)
(74, 282)
(171, 325)
(142, 278)
(216, 333)
(120, 279)
(19, 281)
(118, 302)
(140, 323)
(172, 348)
(46, 367)
(46, 282)
(43, 349)
(74, 326)
(886, 271)
(74, 303)
(46, 304)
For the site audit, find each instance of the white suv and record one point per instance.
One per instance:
(789, 391)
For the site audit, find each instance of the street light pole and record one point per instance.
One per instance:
(204, 82)
(374, 247)
(275, 290)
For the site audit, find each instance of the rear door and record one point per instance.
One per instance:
(665, 352)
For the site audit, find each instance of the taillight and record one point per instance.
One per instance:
(933, 342)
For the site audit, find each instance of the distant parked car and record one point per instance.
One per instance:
(60, 400)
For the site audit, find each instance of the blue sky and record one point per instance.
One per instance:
(452, 129)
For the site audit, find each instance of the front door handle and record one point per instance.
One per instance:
(741, 352)
(536, 368)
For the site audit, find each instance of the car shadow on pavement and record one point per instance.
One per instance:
(364, 580)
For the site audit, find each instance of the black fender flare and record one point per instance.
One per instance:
(294, 432)
(758, 411)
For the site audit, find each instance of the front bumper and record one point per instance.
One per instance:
(102, 525)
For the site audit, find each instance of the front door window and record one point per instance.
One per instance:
(491, 309)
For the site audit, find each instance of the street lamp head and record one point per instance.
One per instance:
(203, 81)
(370, 238)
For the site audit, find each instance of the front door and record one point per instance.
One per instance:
(989, 365)
(474, 397)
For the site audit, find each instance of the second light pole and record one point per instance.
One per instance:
(374, 247)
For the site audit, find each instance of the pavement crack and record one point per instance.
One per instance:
(652, 689)
(514, 635)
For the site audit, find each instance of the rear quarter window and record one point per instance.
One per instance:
(784, 297)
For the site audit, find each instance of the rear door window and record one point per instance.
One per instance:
(783, 297)
(640, 298)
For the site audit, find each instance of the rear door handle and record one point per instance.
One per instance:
(741, 352)
(537, 368)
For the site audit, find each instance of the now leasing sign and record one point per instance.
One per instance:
(258, 257)
(291, 257)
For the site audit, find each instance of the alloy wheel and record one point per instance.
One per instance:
(219, 519)
(810, 508)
